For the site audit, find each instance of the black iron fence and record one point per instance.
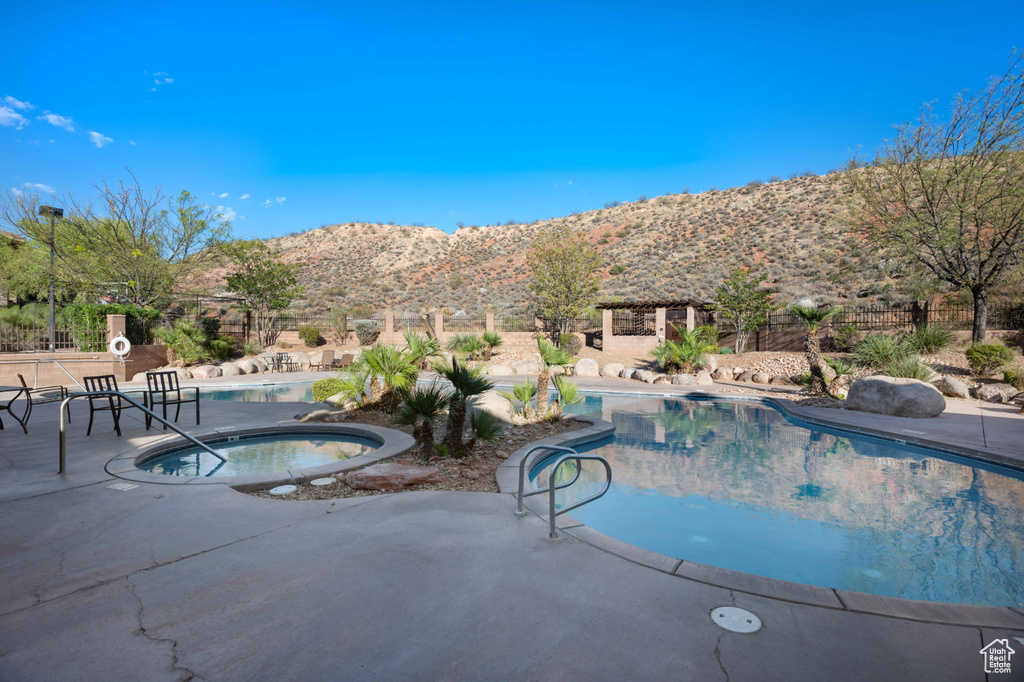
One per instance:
(634, 323)
(514, 322)
(35, 337)
(461, 324)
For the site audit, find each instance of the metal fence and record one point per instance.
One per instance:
(514, 322)
(634, 323)
(26, 338)
(415, 323)
(464, 324)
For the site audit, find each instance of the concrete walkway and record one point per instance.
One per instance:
(177, 582)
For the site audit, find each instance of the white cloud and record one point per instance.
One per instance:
(64, 122)
(168, 80)
(38, 186)
(223, 195)
(17, 192)
(281, 200)
(244, 196)
(131, 142)
(268, 203)
(162, 78)
(226, 212)
(99, 139)
(271, 202)
(17, 104)
(10, 117)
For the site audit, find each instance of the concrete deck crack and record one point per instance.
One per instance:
(718, 656)
(189, 674)
(54, 492)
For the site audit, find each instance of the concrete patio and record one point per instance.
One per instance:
(178, 582)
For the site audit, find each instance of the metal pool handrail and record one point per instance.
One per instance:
(522, 475)
(579, 503)
(104, 394)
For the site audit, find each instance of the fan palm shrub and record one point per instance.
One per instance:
(420, 408)
(465, 384)
(390, 371)
(525, 394)
(492, 340)
(550, 356)
(485, 427)
(419, 351)
(822, 375)
(466, 344)
(689, 352)
(568, 394)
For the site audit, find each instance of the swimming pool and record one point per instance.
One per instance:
(738, 486)
(274, 393)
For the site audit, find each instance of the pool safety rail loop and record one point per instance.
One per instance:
(146, 410)
(570, 456)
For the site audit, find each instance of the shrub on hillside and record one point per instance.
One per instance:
(367, 333)
(930, 340)
(311, 336)
(570, 343)
(879, 351)
(1015, 378)
(986, 358)
(845, 339)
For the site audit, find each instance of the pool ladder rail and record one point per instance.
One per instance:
(570, 456)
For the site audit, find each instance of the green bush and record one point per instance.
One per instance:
(879, 351)
(185, 342)
(570, 343)
(367, 333)
(726, 350)
(1015, 378)
(986, 358)
(222, 347)
(805, 379)
(930, 340)
(93, 316)
(617, 269)
(251, 348)
(210, 326)
(325, 388)
(311, 336)
(708, 333)
(846, 338)
(910, 368)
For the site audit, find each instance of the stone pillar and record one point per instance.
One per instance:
(489, 323)
(659, 322)
(439, 325)
(115, 324)
(691, 318)
(606, 326)
(389, 326)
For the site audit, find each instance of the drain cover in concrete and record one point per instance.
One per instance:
(122, 486)
(323, 481)
(282, 490)
(736, 620)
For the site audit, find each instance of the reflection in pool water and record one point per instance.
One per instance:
(284, 393)
(736, 485)
(259, 455)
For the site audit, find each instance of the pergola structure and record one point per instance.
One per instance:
(639, 326)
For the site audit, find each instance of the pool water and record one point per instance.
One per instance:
(737, 485)
(282, 393)
(259, 455)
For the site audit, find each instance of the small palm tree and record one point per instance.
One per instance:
(465, 383)
(821, 374)
(524, 393)
(484, 426)
(688, 353)
(420, 350)
(568, 394)
(390, 371)
(353, 386)
(467, 344)
(420, 409)
(493, 341)
(550, 356)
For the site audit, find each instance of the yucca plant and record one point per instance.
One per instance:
(420, 408)
(930, 340)
(390, 371)
(465, 383)
(813, 318)
(550, 356)
(524, 393)
(352, 386)
(910, 368)
(568, 393)
(492, 340)
(879, 351)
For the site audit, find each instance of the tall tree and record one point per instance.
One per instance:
(137, 244)
(948, 195)
(267, 283)
(564, 268)
(744, 302)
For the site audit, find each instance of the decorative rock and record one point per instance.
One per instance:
(391, 476)
(323, 481)
(612, 369)
(781, 381)
(628, 372)
(556, 370)
(736, 371)
(230, 369)
(745, 376)
(248, 366)
(711, 364)
(261, 364)
(500, 369)
(341, 401)
(493, 403)
(761, 378)
(322, 416)
(895, 397)
(316, 358)
(300, 359)
(527, 367)
(704, 378)
(206, 372)
(587, 367)
(954, 388)
(663, 379)
(684, 380)
(283, 490)
(470, 474)
(645, 375)
(140, 378)
(995, 393)
(722, 374)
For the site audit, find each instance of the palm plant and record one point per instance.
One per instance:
(419, 350)
(493, 340)
(390, 371)
(353, 386)
(465, 383)
(420, 409)
(568, 394)
(466, 344)
(688, 353)
(484, 426)
(550, 356)
(524, 393)
(821, 374)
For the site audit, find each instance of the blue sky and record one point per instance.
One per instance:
(292, 115)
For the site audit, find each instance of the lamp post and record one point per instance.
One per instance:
(54, 213)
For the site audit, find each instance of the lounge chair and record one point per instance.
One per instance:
(346, 360)
(326, 361)
(165, 390)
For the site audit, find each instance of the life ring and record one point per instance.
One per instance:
(120, 346)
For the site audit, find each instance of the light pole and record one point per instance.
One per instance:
(54, 213)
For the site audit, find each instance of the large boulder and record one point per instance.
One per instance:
(663, 379)
(710, 364)
(230, 369)
(954, 388)
(300, 360)
(781, 381)
(206, 372)
(612, 369)
(248, 366)
(587, 367)
(261, 364)
(393, 476)
(646, 375)
(139, 378)
(745, 376)
(704, 378)
(557, 370)
(316, 358)
(995, 393)
(722, 374)
(500, 369)
(527, 367)
(684, 380)
(628, 372)
(895, 397)
(493, 403)
(761, 377)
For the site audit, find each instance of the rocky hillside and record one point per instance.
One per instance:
(672, 246)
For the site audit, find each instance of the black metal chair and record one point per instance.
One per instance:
(114, 404)
(41, 395)
(9, 407)
(164, 390)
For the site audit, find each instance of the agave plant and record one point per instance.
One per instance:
(465, 383)
(390, 371)
(492, 340)
(814, 317)
(524, 393)
(420, 409)
(550, 356)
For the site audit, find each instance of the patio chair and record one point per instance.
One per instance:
(326, 361)
(43, 395)
(9, 407)
(165, 390)
(283, 360)
(346, 360)
(114, 404)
